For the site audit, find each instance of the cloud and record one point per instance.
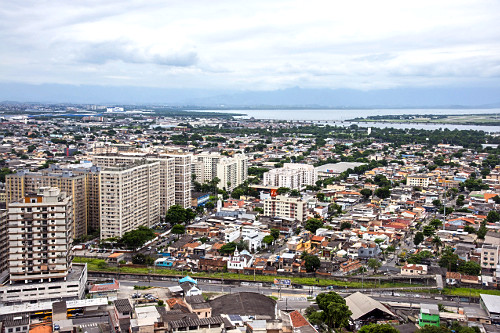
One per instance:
(254, 45)
(125, 51)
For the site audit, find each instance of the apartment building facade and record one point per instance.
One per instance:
(231, 171)
(292, 175)
(130, 197)
(40, 234)
(20, 184)
(418, 180)
(287, 207)
(175, 174)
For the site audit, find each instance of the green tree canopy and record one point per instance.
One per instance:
(136, 238)
(469, 267)
(419, 238)
(374, 264)
(383, 192)
(275, 233)
(378, 328)
(177, 214)
(312, 263)
(313, 224)
(228, 248)
(268, 240)
(366, 193)
(178, 229)
(449, 260)
(335, 313)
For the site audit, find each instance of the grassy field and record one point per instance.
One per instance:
(478, 119)
(466, 292)
(100, 265)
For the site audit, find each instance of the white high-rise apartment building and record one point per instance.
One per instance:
(231, 171)
(40, 234)
(175, 175)
(130, 197)
(37, 240)
(293, 175)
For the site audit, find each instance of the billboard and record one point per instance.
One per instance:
(282, 282)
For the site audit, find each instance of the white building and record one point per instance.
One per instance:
(130, 197)
(231, 234)
(39, 233)
(288, 207)
(231, 171)
(292, 175)
(238, 261)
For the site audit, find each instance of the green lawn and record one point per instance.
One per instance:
(100, 265)
(466, 292)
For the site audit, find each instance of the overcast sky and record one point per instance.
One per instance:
(251, 45)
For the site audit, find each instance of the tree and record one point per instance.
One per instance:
(429, 230)
(237, 193)
(335, 313)
(374, 264)
(228, 248)
(378, 328)
(313, 224)
(142, 259)
(283, 190)
(383, 192)
(437, 203)
(419, 238)
(436, 223)
(178, 230)
(295, 193)
(275, 233)
(176, 214)
(312, 263)
(482, 231)
(469, 267)
(3, 173)
(136, 238)
(449, 260)
(469, 229)
(268, 240)
(366, 193)
(345, 225)
(436, 241)
(493, 216)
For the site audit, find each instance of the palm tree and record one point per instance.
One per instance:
(436, 241)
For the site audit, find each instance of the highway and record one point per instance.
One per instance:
(297, 298)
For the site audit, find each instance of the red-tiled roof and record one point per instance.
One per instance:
(298, 320)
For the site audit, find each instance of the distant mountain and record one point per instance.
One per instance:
(447, 97)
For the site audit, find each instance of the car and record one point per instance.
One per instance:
(148, 248)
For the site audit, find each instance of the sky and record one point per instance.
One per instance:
(251, 45)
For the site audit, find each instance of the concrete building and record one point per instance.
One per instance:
(39, 233)
(75, 185)
(130, 197)
(292, 175)
(175, 175)
(288, 207)
(429, 315)
(417, 180)
(231, 171)
(489, 256)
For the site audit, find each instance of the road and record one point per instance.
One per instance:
(297, 298)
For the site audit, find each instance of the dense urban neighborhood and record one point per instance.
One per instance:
(150, 219)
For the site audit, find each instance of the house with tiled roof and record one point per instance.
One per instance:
(414, 269)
